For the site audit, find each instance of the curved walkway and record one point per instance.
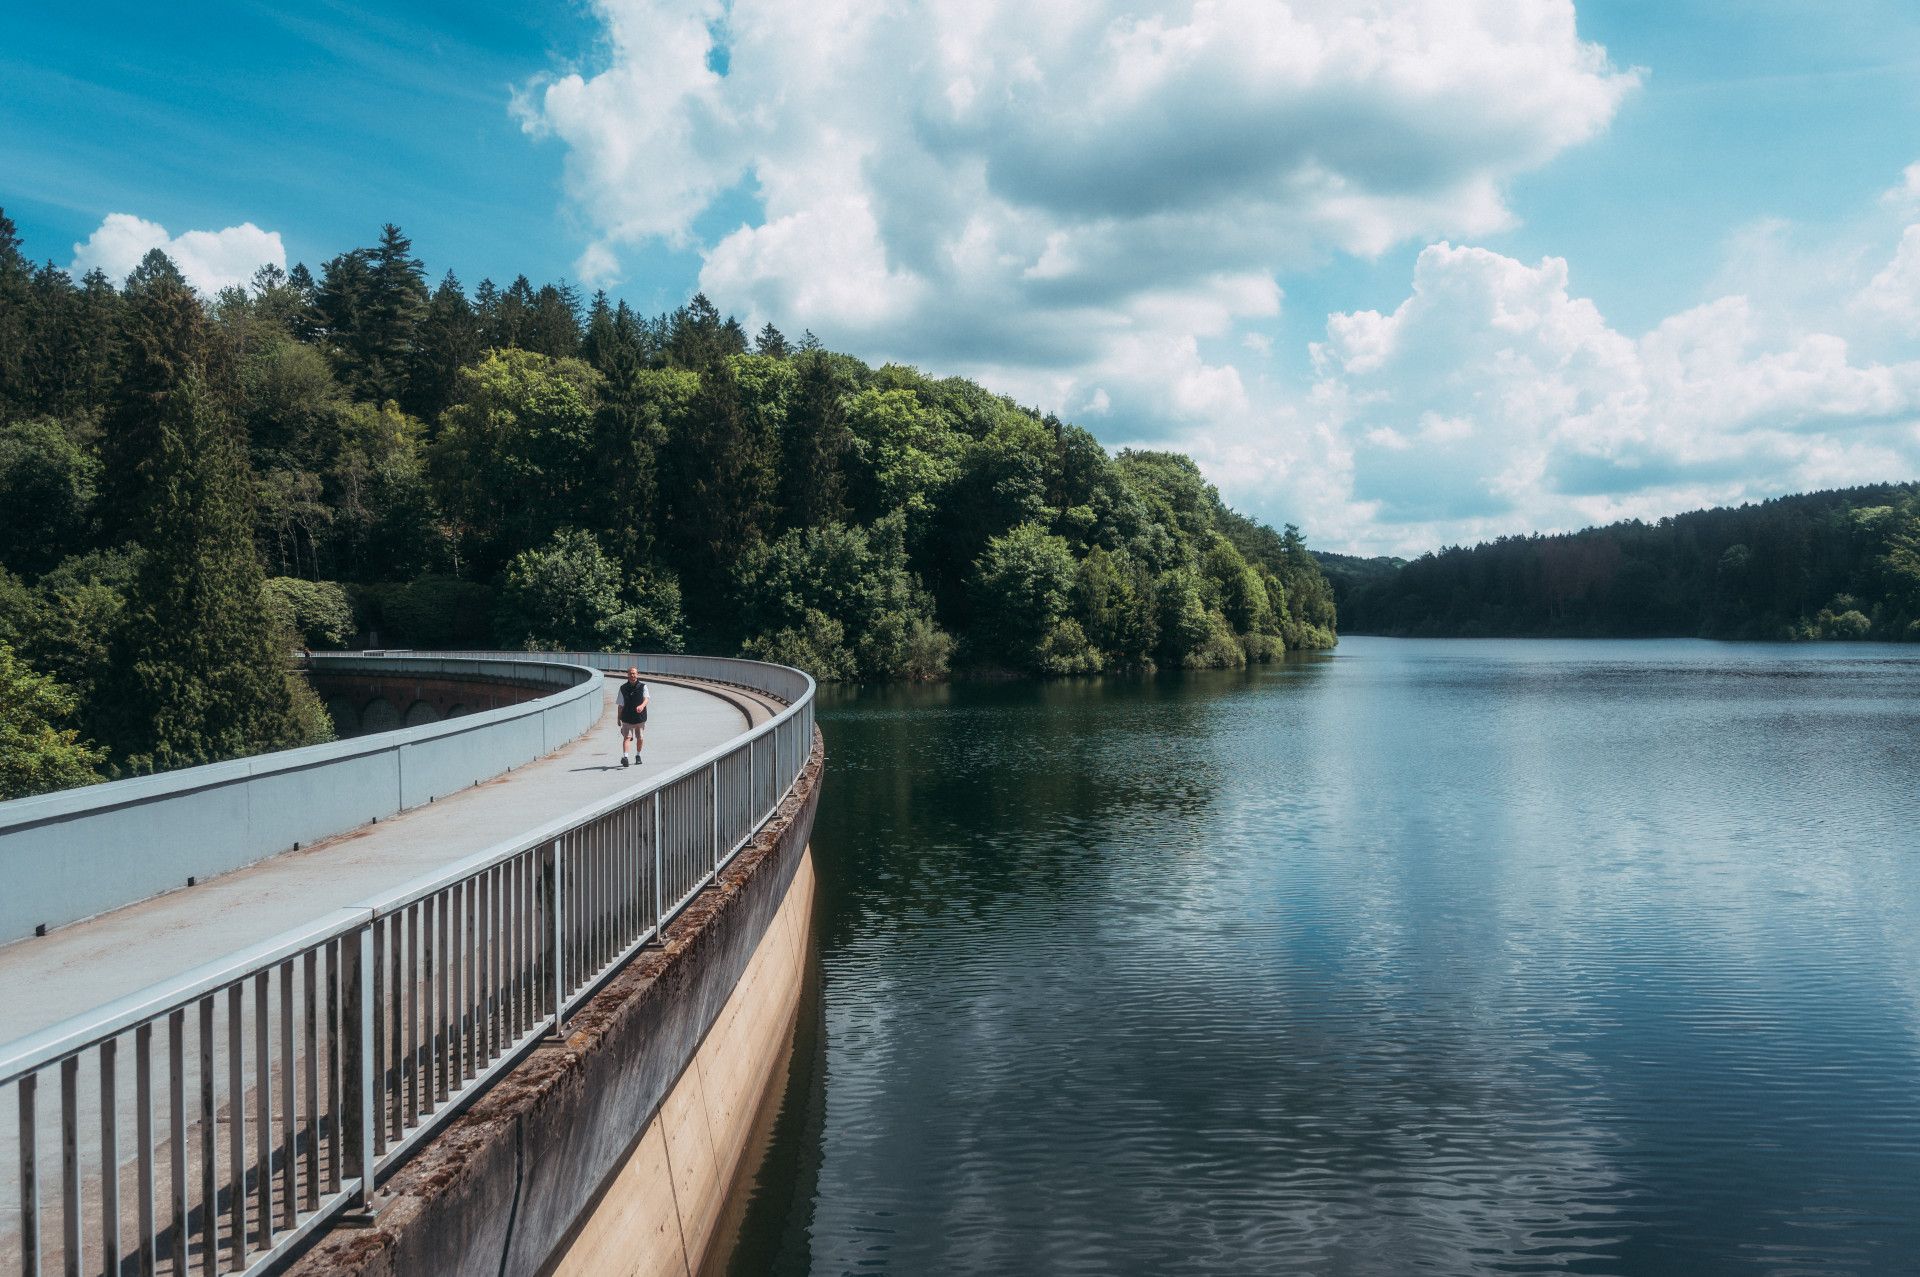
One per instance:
(92, 962)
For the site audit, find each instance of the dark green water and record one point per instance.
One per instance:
(1435, 957)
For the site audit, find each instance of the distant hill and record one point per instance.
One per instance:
(1841, 564)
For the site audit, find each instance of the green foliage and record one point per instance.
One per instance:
(516, 460)
(313, 613)
(1836, 565)
(204, 675)
(38, 753)
(564, 596)
(48, 485)
(1023, 588)
(861, 579)
(442, 467)
(817, 643)
(721, 454)
(659, 624)
(1184, 624)
(434, 611)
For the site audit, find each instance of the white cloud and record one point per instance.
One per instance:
(1894, 292)
(988, 183)
(210, 260)
(1495, 399)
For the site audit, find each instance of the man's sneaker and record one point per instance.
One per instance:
(623, 760)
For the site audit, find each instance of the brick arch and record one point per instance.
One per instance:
(379, 715)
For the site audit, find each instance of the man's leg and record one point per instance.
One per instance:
(625, 731)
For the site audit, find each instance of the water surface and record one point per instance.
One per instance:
(1427, 956)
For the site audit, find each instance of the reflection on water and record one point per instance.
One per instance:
(1425, 957)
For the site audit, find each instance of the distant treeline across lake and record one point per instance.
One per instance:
(1824, 565)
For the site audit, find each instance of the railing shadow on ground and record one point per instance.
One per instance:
(213, 1122)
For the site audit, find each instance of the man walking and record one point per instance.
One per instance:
(632, 696)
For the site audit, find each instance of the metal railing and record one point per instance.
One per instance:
(212, 1122)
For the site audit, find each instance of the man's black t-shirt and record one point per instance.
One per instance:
(631, 695)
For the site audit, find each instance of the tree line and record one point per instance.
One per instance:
(194, 485)
(1841, 564)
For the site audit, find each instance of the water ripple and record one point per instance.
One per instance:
(1428, 958)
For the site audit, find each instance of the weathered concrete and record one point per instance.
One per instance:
(661, 1211)
(507, 1187)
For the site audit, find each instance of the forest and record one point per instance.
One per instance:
(1841, 564)
(194, 487)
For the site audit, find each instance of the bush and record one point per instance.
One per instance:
(565, 596)
(316, 613)
(38, 753)
(1219, 650)
(912, 648)
(1022, 586)
(818, 645)
(1065, 650)
(432, 612)
(48, 485)
(857, 576)
(659, 625)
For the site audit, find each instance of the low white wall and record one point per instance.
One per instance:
(79, 852)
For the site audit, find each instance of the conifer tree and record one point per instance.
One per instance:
(16, 288)
(450, 339)
(201, 673)
(721, 481)
(814, 444)
(163, 336)
(772, 342)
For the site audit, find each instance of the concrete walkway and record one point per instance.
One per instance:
(46, 979)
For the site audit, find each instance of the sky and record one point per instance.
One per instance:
(1405, 272)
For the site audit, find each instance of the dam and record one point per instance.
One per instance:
(463, 995)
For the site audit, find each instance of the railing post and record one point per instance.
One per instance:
(356, 1058)
(558, 933)
(29, 1177)
(713, 790)
(659, 872)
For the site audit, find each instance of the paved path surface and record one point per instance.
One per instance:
(44, 980)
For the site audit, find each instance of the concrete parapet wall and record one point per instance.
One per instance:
(626, 1133)
(79, 852)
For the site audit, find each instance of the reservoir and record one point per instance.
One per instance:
(1419, 956)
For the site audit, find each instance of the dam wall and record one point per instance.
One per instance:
(611, 1149)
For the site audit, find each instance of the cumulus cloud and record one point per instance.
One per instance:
(210, 260)
(1495, 399)
(1004, 183)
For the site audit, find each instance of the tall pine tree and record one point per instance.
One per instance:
(202, 673)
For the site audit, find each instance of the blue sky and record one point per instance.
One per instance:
(1171, 222)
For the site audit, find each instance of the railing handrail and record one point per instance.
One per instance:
(86, 1028)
